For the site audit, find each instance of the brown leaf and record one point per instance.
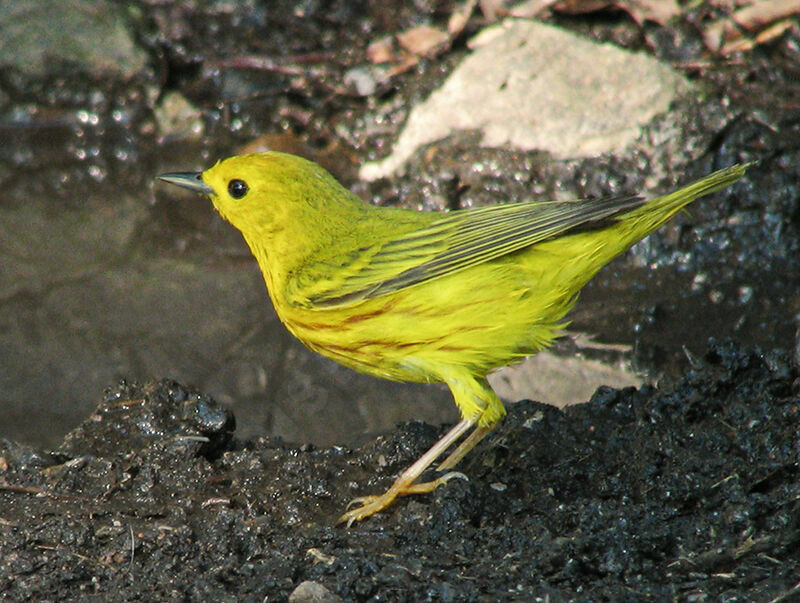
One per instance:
(765, 12)
(751, 25)
(458, 20)
(422, 39)
(491, 9)
(657, 11)
(530, 8)
(381, 50)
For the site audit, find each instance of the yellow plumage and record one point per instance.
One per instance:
(428, 297)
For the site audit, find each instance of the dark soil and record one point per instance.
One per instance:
(689, 491)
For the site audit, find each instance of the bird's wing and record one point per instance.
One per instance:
(452, 243)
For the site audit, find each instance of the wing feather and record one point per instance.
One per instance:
(456, 241)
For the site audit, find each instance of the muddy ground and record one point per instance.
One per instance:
(108, 275)
(688, 491)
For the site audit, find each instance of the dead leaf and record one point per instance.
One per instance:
(381, 51)
(491, 9)
(657, 11)
(774, 31)
(460, 17)
(754, 24)
(765, 12)
(530, 8)
(422, 40)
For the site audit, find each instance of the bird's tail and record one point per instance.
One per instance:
(648, 217)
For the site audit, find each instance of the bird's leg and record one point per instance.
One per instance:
(476, 400)
(464, 448)
(404, 484)
(474, 397)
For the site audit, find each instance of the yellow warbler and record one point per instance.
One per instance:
(422, 296)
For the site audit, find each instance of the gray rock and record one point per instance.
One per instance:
(90, 33)
(537, 87)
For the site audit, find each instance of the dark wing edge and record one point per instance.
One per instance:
(465, 238)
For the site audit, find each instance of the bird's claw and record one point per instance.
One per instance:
(377, 502)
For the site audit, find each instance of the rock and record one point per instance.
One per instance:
(312, 592)
(538, 87)
(90, 33)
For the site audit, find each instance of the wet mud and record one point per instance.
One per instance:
(687, 491)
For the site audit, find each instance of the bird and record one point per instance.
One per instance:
(430, 297)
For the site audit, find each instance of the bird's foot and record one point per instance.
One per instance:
(369, 505)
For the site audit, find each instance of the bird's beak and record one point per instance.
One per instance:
(189, 180)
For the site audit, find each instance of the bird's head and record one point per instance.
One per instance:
(265, 193)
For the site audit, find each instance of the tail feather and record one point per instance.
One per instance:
(655, 212)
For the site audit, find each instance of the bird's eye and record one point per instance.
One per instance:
(237, 188)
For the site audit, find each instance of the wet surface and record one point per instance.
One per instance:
(687, 491)
(107, 275)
